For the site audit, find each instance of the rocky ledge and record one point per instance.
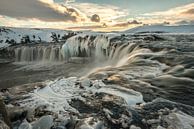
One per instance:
(93, 107)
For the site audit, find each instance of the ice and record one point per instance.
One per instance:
(176, 29)
(130, 96)
(57, 94)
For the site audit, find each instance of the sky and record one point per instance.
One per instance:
(97, 15)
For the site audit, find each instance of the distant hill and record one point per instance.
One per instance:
(162, 29)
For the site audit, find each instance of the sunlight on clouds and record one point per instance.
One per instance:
(80, 17)
(110, 18)
(107, 13)
(83, 13)
(172, 15)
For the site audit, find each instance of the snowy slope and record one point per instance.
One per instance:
(7, 33)
(163, 28)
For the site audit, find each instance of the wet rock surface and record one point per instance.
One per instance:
(105, 111)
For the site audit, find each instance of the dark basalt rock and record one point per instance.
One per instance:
(3, 125)
(160, 103)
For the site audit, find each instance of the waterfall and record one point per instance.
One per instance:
(38, 53)
(99, 48)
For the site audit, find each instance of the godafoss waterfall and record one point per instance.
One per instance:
(100, 81)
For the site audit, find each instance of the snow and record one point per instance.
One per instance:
(18, 33)
(4, 45)
(163, 28)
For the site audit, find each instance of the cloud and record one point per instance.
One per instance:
(107, 13)
(189, 11)
(185, 12)
(61, 14)
(95, 18)
(45, 10)
(125, 24)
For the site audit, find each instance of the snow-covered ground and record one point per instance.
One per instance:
(36, 35)
(179, 29)
(44, 35)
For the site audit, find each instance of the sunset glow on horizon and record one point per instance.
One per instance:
(97, 15)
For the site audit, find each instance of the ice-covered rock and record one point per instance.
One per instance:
(160, 127)
(86, 82)
(179, 120)
(134, 127)
(45, 122)
(25, 125)
(59, 127)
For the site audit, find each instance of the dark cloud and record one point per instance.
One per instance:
(190, 11)
(134, 22)
(95, 18)
(24, 9)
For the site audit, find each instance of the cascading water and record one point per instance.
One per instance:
(38, 53)
(98, 48)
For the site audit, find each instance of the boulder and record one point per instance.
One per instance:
(25, 125)
(45, 122)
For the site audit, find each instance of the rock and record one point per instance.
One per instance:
(72, 122)
(7, 97)
(179, 120)
(17, 113)
(45, 122)
(42, 111)
(59, 127)
(85, 127)
(100, 125)
(3, 125)
(86, 82)
(25, 125)
(16, 124)
(153, 121)
(160, 127)
(30, 115)
(98, 84)
(3, 112)
(134, 127)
